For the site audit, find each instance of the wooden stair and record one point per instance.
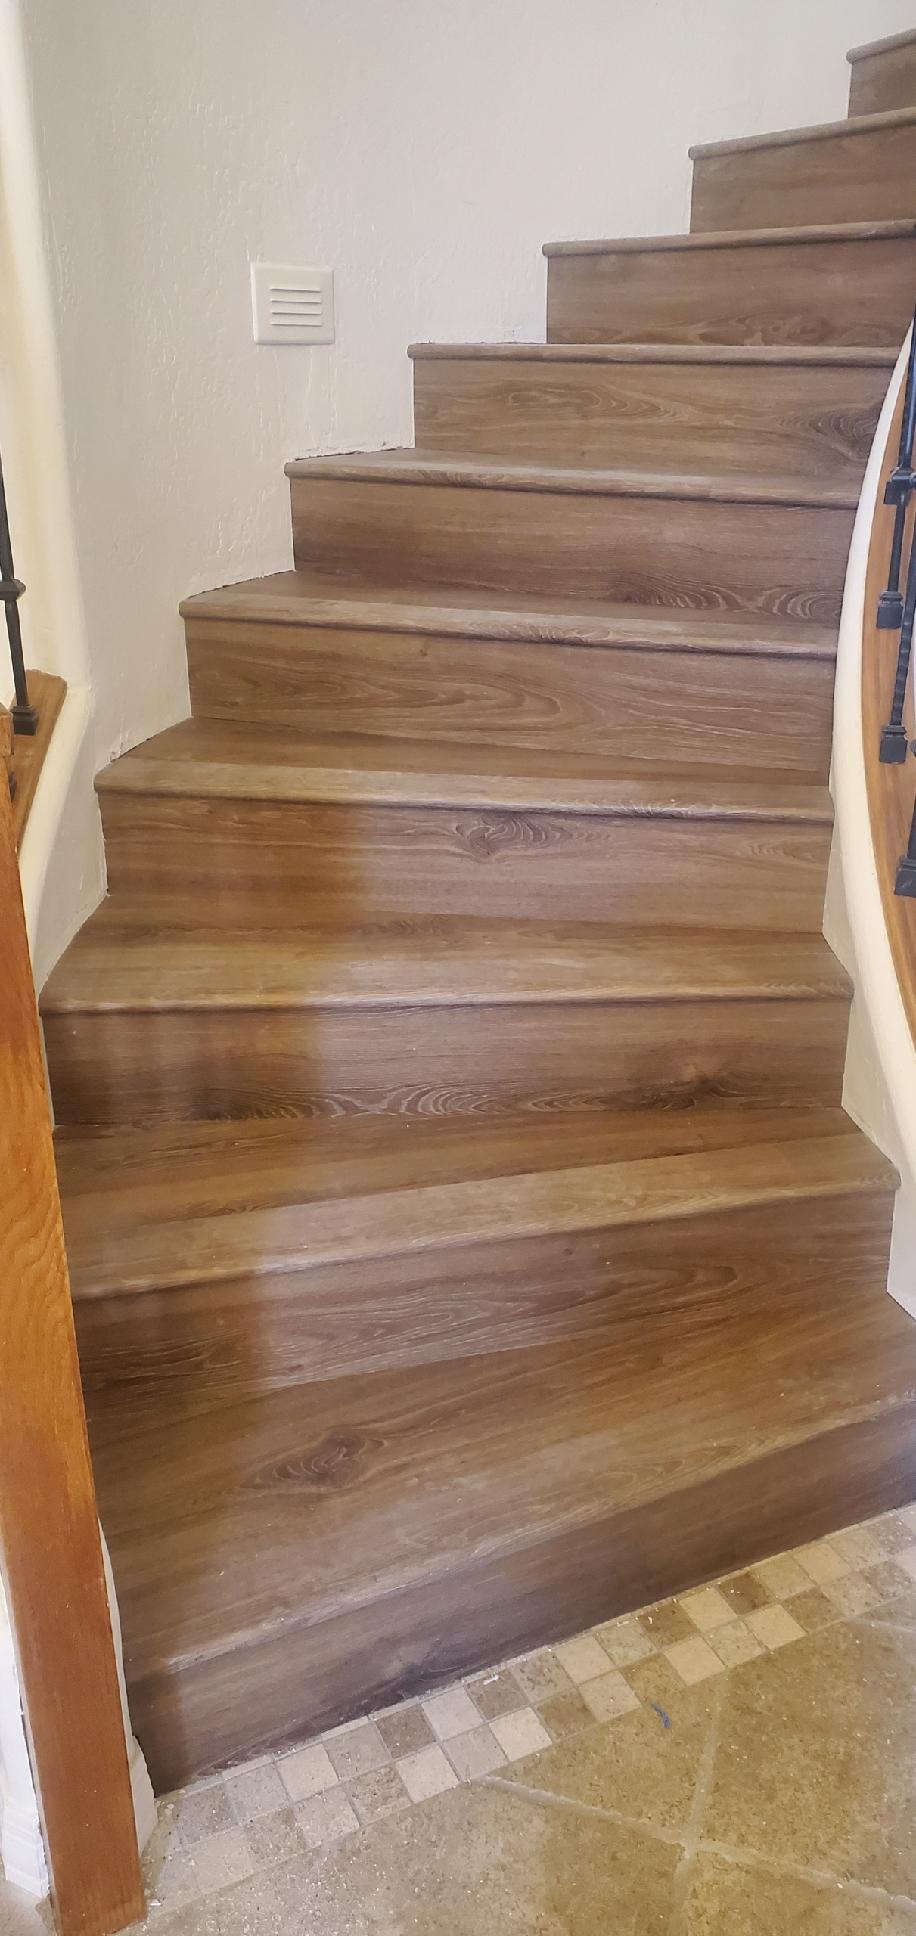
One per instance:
(466, 1238)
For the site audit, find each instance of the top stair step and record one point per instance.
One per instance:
(839, 283)
(883, 74)
(863, 169)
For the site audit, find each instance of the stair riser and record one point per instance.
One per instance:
(794, 292)
(848, 177)
(151, 1358)
(459, 1060)
(883, 81)
(384, 1443)
(264, 864)
(736, 709)
(810, 422)
(651, 551)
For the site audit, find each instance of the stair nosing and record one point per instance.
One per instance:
(766, 355)
(885, 46)
(858, 124)
(388, 613)
(412, 469)
(489, 1200)
(898, 229)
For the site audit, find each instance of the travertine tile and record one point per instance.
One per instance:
(853, 1595)
(206, 1811)
(565, 1714)
(774, 1626)
(358, 1752)
(540, 1675)
(450, 1712)
(635, 1765)
(273, 1839)
(813, 1609)
(666, 1623)
(783, 1576)
(256, 1791)
(821, 1561)
(476, 1753)
(625, 1641)
(609, 1695)
(907, 1559)
(728, 1899)
(405, 1730)
(694, 1660)
(378, 1793)
(307, 1772)
(520, 1734)
(496, 1693)
(427, 1773)
(220, 1859)
(858, 1545)
(745, 1592)
(324, 1818)
(735, 1643)
(582, 1658)
(706, 1608)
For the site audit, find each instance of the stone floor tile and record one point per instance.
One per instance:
(450, 1712)
(565, 1714)
(666, 1623)
(899, 1611)
(625, 1641)
(325, 1818)
(609, 1695)
(478, 1752)
(735, 1643)
(821, 1561)
(782, 1576)
(815, 1765)
(217, 1860)
(520, 1733)
(273, 1839)
(694, 1660)
(731, 1900)
(205, 1811)
(380, 1792)
(706, 1608)
(495, 1693)
(774, 1626)
(892, 1533)
(853, 1595)
(858, 1545)
(307, 1772)
(655, 1680)
(813, 1609)
(643, 1765)
(582, 1658)
(888, 1579)
(427, 1773)
(358, 1752)
(540, 1675)
(745, 1592)
(405, 1729)
(906, 1558)
(256, 1791)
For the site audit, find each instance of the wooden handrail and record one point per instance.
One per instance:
(50, 1548)
(890, 787)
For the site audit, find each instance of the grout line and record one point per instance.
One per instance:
(680, 1883)
(671, 1837)
(746, 1858)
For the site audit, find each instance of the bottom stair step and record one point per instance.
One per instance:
(373, 1429)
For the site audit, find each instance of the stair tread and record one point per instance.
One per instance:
(888, 231)
(416, 466)
(313, 598)
(819, 131)
(116, 965)
(883, 46)
(170, 1207)
(778, 355)
(223, 759)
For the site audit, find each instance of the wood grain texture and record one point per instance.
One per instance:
(740, 708)
(47, 693)
(52, 1558)
(650, 550)
(883, 75)
(858, 170)
(557, 1436)
(845, 286)
(458, 1019)
(814, 417)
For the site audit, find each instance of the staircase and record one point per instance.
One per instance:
(466, 1237)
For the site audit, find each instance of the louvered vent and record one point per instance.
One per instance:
(292, 305)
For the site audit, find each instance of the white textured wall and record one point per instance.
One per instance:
(424, 150)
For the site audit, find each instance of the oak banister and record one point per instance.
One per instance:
(50, 1547)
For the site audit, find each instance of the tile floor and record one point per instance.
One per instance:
(741, 1759)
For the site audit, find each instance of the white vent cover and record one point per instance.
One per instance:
(292, 305)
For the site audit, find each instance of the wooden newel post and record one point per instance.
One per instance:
(50, 1549)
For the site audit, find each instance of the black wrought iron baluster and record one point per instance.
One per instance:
(897, 491)
(22, 712)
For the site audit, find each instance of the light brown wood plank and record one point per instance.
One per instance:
(47, 693)
(858, 170)
(845, 285)
(883, 75)
(816, 418)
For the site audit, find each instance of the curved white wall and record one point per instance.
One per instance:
(880, 1082)
(425, 151)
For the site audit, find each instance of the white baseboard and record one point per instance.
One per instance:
(22, 1850)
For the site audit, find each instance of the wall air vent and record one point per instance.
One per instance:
(291, 305)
